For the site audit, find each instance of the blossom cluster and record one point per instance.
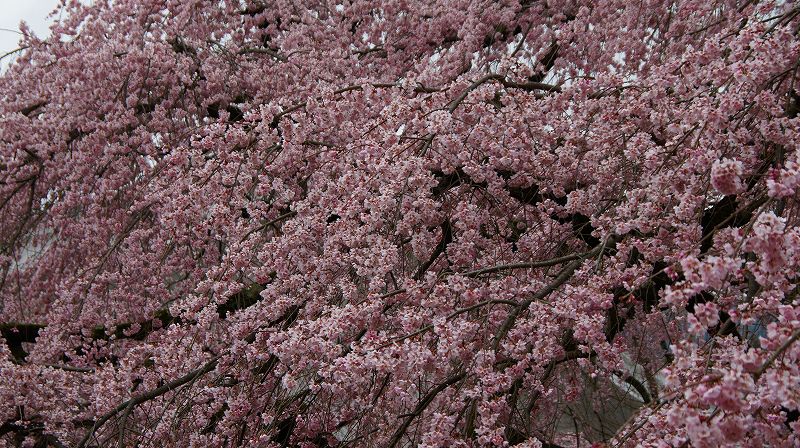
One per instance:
(394, 223)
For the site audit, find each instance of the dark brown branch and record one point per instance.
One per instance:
(380, 52)
(460, 98)
(528, 86)
(286, 215)
(547, 61)
(179, 46)
(447, 237)
(15, 334)
(157, 392)
(27, 111)
(726, 213)
(560, 279)
(450, 316)
(768, 363)
(241, 300)
(523, 265)
(426, 400)
(636, 384)
(268, 51)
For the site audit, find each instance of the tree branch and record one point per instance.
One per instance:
(178, 382)
(562, 278)
(426, 400)
(792, 339)
(523, 265)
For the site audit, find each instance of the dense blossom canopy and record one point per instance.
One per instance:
(396, 223)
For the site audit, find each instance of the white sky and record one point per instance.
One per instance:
(34, 12)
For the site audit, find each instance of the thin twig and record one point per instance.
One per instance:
(426, 400)
(560, 279)
(792, 339)
(449, 317)
(172, 385)
(523, 265)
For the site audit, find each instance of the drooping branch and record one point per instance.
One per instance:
(528, 86)
(27, 111)
(15, 334)
(776, 354)
(268, 51)
(726, 213)
(422, 405)
(447, 238)
(157, 392)
(637, 385)
(563, 276)
(523, 265)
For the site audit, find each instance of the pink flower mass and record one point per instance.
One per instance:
(394, 224)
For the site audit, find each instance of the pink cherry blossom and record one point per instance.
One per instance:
(726, 176)
(402, 223)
